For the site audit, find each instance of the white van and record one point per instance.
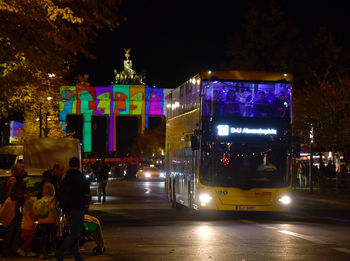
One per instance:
(9, 156)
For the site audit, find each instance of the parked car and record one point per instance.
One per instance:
(150, 173)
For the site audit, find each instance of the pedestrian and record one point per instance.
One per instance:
(27, 228)
(322, 178)
(15, 189)
(299, 173)
(54, 176)
(331, 174)
(101, 172)
(47, 225)
(342, 176)
(75, 198)
(305, 173)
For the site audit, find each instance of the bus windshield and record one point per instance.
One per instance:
(247, 99)
(244, 165)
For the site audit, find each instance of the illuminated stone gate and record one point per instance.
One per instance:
(115, 100)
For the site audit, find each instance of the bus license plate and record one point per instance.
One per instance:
(245, 208)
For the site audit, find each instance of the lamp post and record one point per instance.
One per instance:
(311, 158)
(40, 121)
(46, 129)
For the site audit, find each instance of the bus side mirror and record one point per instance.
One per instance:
(194, 142)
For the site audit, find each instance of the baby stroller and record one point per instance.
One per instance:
(92, 231)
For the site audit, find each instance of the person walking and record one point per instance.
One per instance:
(75, 197)
(15, 189)
(102, 170)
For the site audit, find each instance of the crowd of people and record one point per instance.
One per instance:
(325, 177)
(60, 206)
(241, 104)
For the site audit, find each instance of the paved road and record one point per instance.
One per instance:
(139, 224)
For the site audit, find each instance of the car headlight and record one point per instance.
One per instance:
(87, 176)
(162, 175)
(285, 200)
(204, 199)
(147, 175)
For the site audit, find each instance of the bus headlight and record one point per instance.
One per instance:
(204, 199)
(147, 175)
(285, 200)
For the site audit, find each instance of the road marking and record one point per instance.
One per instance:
(290, 233)
(305, 237)
(266, 226)
(342, 249)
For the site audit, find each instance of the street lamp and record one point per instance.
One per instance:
(46, 129)
(311, 157)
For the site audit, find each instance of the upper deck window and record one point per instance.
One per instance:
(247, 99)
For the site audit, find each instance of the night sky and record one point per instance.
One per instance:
(173, 40)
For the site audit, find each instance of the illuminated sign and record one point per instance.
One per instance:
(16, 128)
(225, 130)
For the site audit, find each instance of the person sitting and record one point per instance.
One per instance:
(280, 106)
(213, 106)
(232, 104)
(261, 107)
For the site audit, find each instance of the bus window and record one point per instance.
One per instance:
(246, 99)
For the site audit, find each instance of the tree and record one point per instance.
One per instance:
(325, 105)
(153, 141)
(265, 42)
(319, 64)
(41, 39)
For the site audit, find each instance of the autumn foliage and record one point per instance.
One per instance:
(40, 40)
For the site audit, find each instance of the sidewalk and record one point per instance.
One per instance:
(333, 198)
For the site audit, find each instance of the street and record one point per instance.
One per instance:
(139, 224)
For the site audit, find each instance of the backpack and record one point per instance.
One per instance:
(42, 207)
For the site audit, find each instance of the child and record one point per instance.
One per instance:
(47, 225)
(27, 228)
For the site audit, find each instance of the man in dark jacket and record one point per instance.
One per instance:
(101, 170)
(75, 198)
(54, 176)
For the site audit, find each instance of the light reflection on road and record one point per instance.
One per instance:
(205, 232)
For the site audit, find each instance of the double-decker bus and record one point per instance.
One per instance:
(228, 142)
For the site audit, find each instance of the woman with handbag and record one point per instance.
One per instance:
(15, 191)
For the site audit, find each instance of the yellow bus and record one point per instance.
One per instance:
(228, 142)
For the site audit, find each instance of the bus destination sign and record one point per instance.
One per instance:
(225, 130)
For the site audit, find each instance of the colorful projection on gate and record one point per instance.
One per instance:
(112, 101)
